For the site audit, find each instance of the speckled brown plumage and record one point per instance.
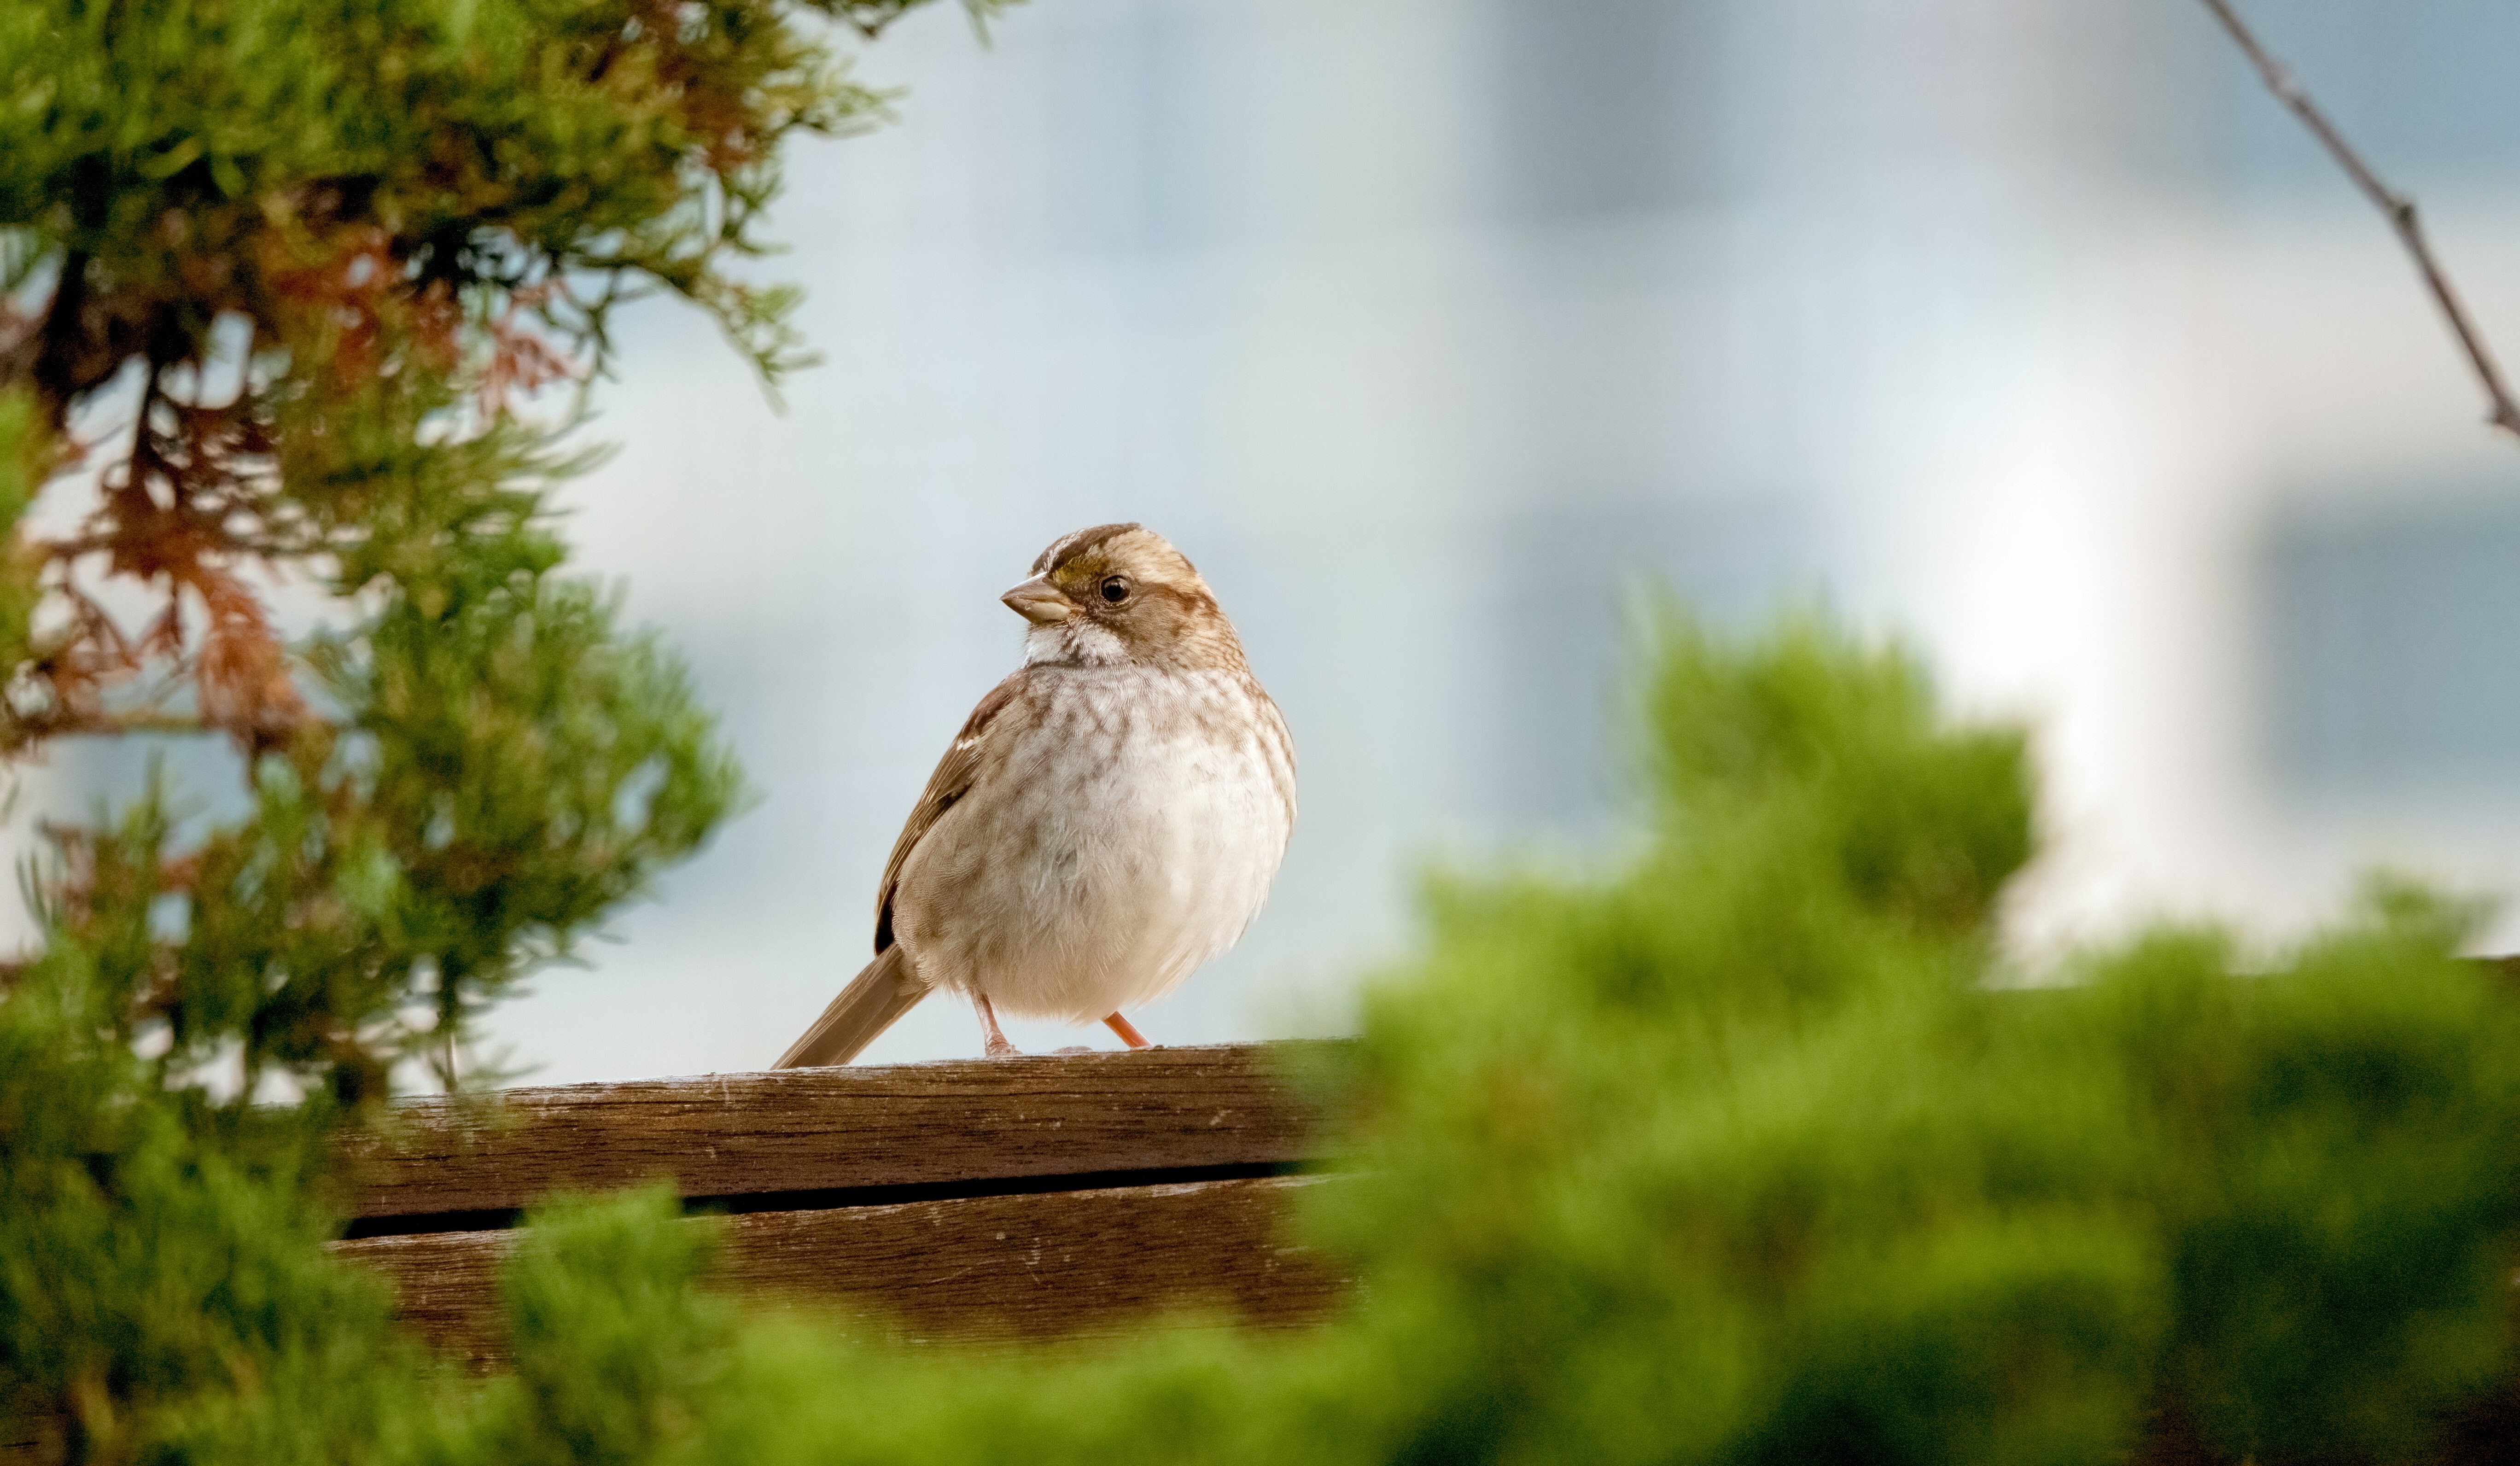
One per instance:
(1110, 817)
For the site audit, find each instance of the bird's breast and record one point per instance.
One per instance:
(1130, 832)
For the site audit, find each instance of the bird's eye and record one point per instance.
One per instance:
(1115, 589)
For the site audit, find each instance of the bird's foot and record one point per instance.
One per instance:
(997, 1047)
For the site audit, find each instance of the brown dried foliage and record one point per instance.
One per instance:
(192, 509)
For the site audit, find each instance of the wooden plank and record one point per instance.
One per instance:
(812, 1129)
(999, 1269)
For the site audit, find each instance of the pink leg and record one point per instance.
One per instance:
(997, 1047)
(1127, 1031)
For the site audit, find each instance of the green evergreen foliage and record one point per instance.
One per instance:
(162, 1272)
(319, 253)
(279, 283)
(1736, 1157)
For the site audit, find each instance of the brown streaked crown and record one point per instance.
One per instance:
(1067, 546)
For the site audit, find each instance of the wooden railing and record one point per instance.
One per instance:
(989, 1200)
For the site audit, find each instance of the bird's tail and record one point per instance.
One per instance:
(868, 1006)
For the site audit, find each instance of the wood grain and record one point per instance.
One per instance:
(999, 1270)
(809, 1129)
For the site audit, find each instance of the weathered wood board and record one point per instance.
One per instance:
(979, 1269)
(985, 1201)
(864, 1130)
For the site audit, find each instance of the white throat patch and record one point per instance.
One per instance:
(1074, 640)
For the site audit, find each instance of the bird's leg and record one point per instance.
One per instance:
(1127, 1031)
(997, 1047)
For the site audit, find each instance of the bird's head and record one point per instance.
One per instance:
(1120, 593)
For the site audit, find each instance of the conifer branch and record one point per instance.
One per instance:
(2504, 411)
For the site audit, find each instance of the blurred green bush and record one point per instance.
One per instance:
(1731, 1155)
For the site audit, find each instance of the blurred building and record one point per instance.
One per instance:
(1434, 332)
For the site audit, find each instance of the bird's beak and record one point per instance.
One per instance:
(1039, 601)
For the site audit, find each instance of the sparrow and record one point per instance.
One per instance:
(1110, 817)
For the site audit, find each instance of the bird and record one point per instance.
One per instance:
(1110, 817)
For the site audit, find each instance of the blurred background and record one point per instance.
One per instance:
(2032, 331)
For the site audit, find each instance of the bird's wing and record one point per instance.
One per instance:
(955, 774)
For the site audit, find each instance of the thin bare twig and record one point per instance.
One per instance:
(2505, 412)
